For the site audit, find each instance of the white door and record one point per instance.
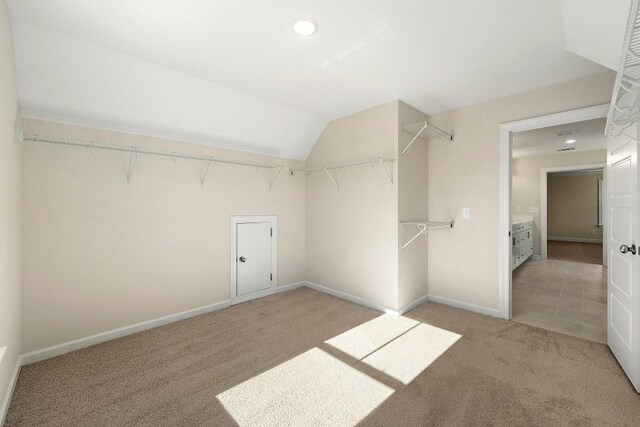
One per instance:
(623, 296)
(253, 257)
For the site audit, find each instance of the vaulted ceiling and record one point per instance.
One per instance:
(232, 73)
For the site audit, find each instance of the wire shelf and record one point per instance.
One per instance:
(625, 104)
(424, 227)
(331, 170)
(425, 131)
(134, 151)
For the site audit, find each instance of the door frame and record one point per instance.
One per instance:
(544, 172)
(504, 187)
(233, 246)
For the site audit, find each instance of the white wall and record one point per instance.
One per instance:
(412, 205)
(89, 85)
(525, 183)
(352, 234)
(99, 254)
(463, 264)
(10, 345)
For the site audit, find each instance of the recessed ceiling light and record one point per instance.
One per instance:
(305, 27)
(570, 141)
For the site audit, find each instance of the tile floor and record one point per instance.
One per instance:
(563, 296)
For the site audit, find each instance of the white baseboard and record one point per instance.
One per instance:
(574, 239)
(538, 257)
(9, 392)
(413, 305)
(352, 298)
(57, 350)
(290, 287)
(466, 306)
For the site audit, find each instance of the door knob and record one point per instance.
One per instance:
(624, 249)
(242, 259)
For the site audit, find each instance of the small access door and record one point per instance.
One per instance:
(623, 295)
(253, 266)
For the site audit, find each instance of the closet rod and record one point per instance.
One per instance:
(376, 160)
(36, 138)
(424, 227)
(430, 224)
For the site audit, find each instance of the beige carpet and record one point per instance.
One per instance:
(407, 356)
(498, 373)
(364, 339)
(314, 388)
(590, 253)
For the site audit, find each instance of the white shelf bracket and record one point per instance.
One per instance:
(203, 178)
(278, 170)
(386, 172)
(423, 230)
(131, 165)
(415, 137)
(332, 178)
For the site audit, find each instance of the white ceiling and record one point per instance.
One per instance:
(545, 141)
(595, 29)
(232, 72)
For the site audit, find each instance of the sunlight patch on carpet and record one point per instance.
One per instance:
(365, 338)
(410, 354)
(313, 388)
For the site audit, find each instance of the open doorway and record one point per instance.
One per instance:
(558, 277)
(573, 228)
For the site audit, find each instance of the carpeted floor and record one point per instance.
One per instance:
(590, 253)
(498, 373)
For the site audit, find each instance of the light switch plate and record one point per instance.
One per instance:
(534, 210)
(466, 213)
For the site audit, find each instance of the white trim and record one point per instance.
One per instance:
(290, 287)
(4, 409)
(352, 298)
(574, 239)
(536, 257)
(233, 228)
(58, 349)
(504, 195)
(466, 306)
(544, 172)
(413, 305)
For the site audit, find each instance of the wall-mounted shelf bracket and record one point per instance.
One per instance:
(425, 131)
(276, 174)
(332, 178)
(135, 151)
(331, 171)
(133, 156)
(424, 227)
(386, 172)
(203, 178)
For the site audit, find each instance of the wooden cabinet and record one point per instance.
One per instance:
(521, 242)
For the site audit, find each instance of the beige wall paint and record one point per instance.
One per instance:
(572, 206)
(525, 183)
(463, 264)
(412, 205)
(9, 210)
(100, 254)
(352, 234)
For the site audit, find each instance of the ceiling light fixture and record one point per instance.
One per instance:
(305, 27)
(570, 141)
